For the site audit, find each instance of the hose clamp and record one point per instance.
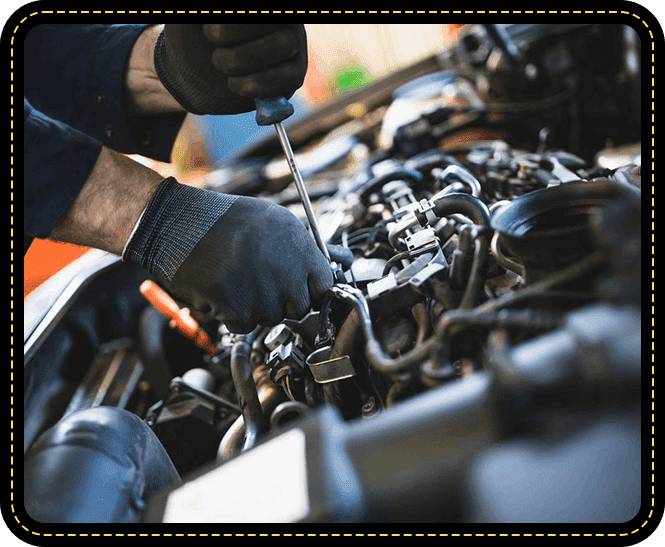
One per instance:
(426, 207)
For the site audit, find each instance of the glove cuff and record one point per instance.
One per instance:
(169, 75)
(174, 221)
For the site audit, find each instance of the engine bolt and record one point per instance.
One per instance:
(369, 408)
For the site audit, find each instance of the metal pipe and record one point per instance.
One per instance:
(573, 271)
(501, 259)
(484, 313)
(433, 346)
(464, 175)
(376, 357)
(438, 368)
(404, 224)
(286, 410)
(269, 396)
(476, 279)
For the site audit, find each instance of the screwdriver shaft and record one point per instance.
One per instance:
(302, 190)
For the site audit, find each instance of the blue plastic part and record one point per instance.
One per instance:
(272, 110)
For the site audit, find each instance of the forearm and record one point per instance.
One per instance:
(144, 93)
(109, 204)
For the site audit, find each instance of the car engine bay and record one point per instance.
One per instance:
(479, 358)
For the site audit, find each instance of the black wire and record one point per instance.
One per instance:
(392, 261)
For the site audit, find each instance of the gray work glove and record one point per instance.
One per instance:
(243, 260)
(221, 69)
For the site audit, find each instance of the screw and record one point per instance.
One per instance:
(369, 407)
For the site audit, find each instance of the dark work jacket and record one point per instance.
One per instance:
(72, 105)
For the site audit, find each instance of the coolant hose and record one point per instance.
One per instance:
(248, 399)
(469, 206)
(375, 183)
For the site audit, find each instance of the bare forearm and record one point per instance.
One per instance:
(144, 93)
(109, 204)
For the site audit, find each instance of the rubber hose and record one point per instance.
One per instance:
(248, 399)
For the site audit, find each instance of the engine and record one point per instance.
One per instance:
(478, 358)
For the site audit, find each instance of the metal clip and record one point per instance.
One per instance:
(325, 370)
(425, 207)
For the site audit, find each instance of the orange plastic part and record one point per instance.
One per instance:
(45, 258)
(181, 320)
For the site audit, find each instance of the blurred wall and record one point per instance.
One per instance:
(371, 51)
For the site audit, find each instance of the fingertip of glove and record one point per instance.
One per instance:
(320, 283)
(239, 328)
(341, 255)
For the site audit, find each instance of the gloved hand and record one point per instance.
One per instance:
(221, 69)
(243, 260)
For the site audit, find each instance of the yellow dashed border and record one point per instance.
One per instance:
(454, 12)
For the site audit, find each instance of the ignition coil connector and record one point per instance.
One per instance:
(287, 357)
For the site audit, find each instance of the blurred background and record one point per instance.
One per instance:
(341, 58)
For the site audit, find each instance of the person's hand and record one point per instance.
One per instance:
(242, 260)
(221, 69)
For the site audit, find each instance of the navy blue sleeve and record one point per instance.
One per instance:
(74, 74)
(57, 160)
(73, 104)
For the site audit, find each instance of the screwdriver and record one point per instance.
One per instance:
(181, 320)
(273, 111)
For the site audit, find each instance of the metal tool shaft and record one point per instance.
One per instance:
(302, 190)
